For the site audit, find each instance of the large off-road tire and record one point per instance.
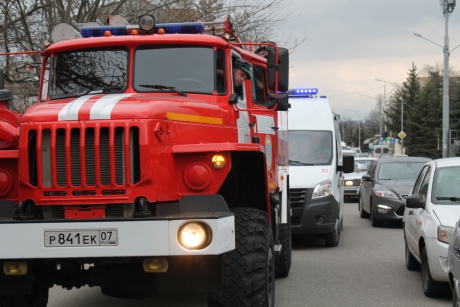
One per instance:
(332, 239)
(37, 298)
(455, 298)
(411, 263)
(249, 269)
(362, 214)
(431, 288)
(374, 220)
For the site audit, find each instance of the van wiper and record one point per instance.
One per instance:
(298, 163)
(163, 87)
(102, 91)
(449, 198)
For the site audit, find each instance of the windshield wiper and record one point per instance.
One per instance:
(297, 163)
(102, 90)
(163, 87)
(453, 198)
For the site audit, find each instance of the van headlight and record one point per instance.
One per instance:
(322, 189)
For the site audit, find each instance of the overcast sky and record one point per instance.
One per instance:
(350, 43)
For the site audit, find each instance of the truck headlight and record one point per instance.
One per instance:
(194, 235)
(322, 189)
(445, 233)
(348, 183)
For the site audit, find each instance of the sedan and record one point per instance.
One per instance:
(352, 181)
(432, 210)
(386, 185)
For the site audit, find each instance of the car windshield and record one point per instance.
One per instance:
(446, 186)
(399, 170)
(361, 166)
(186, 69)
(79, 72)
(310, 147)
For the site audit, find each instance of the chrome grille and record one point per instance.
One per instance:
(76, 154)
(357, 182)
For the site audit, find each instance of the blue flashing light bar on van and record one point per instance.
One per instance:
(303, 92)
(169, 28)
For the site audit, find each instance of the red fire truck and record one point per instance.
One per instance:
(142, 171)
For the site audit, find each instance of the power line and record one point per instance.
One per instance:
(354, 93)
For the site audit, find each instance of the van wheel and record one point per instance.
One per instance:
(374, 221)
(249, 269)
(362, 214)
(332, 239)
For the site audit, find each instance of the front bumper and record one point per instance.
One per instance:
(351, 191)
(388, 209)
(317, 216)
(437, 259)
(136, 237)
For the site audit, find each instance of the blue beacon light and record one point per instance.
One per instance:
(306, 92)
(169, 28)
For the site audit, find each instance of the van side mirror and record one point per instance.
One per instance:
(348, 164)
(282, 67)
(415, 202)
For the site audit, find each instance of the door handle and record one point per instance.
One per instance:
(411, 212)
(457, 248)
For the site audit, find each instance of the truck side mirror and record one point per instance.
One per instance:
(282, 67)
(282, 103)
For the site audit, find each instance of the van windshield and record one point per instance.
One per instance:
(310, 147)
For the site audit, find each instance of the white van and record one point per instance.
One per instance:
(316, 167)
(378, 150)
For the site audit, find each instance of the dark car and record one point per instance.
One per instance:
(385, 186)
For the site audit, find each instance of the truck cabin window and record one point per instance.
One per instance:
(184, 69)
(76, 73)
(310, 147)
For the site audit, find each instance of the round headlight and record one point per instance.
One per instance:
(147, 22)
(194, 235)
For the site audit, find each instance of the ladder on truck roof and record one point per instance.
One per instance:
(219, 28)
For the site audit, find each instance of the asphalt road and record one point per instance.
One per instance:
(366, 269)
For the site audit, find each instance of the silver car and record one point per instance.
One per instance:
(352, 181)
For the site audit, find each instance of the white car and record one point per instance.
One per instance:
(432, 209)
(352, 181)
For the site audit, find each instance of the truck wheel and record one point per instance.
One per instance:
(411, 263)
(332, 239)
(431, 288)
(37, 298)
(284, 258)
(362, 214)
(249, 269)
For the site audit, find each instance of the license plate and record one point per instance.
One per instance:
(77, 238)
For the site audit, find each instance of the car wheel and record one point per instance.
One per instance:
(411, 263)
(362, 214)
(332, 239)
(375, 221)
(431, 288)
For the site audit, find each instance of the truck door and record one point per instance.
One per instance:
(265, 123)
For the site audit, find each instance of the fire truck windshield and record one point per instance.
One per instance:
(187, 69)
(78, 72)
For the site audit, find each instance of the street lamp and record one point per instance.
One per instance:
(359, 128)
(380, 111)
(402, 111)
(447, 7)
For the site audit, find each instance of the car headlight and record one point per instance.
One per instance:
(322, 189)
(386, 194)
(348, 183)
(445, 233)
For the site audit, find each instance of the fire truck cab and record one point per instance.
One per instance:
(141, 171)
